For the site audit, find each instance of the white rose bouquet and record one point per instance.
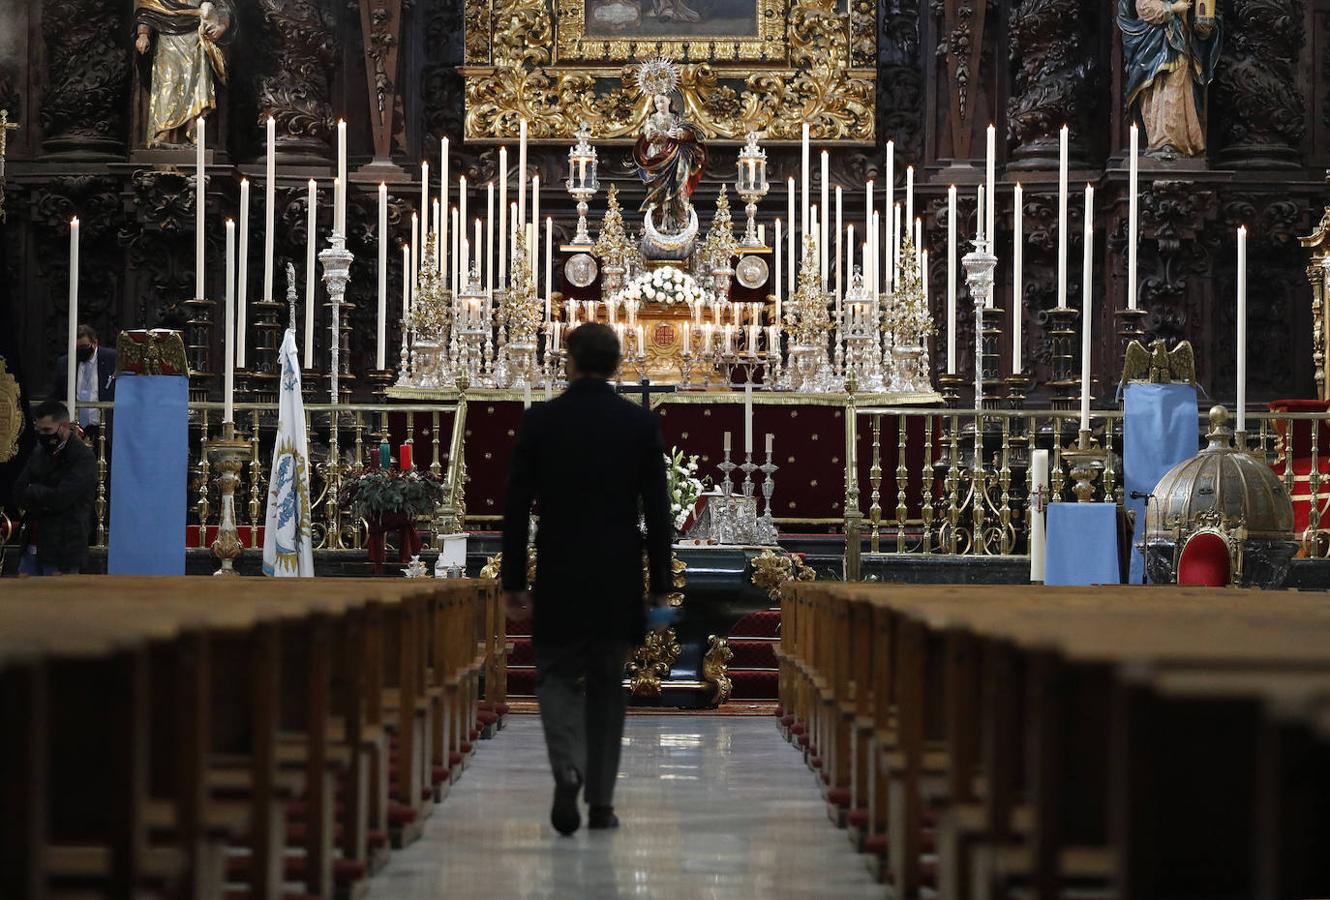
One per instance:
(683, 484)
(666, 285)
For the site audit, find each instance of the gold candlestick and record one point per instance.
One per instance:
(228, 458)
(1084, 460)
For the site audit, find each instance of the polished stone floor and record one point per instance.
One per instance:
(711, 807)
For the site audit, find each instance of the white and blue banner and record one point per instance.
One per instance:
(1158, 432)
(287, 546)
(149, 475)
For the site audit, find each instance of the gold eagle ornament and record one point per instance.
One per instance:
(1159, 365)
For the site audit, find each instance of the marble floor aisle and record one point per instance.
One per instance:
(711, 807)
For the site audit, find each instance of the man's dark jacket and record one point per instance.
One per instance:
(591, 462)
(57, 492)
(106, 363)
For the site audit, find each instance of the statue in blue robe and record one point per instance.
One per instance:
(1169, 60)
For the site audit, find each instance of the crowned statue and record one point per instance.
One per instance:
(183, 42)
(1170, 50)
(670, 157)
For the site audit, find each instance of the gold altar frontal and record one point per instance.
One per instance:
(713, 395)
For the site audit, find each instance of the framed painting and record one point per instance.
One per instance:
(599, 31)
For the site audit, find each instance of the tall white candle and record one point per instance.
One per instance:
(887, 240)
(549, 268)
(443, 196)
(462, 220)
(311, 238)
(869, 204)
(341, 175)
(909, 195)
(229, 343)
(471, 255)
(990, 221)
(426, 210)
(1087, 307)
(1242, 330)
(406, 292)
(794, 259)
(1133, 195)
(1062, 218)
(535, 226)
(521, 179)
(804, 177)
(979, 215)
(512, 231)
(269, 208)
(200, 203)
(748, 417)
(457, 273)
(489, 238)
(1038, 501)
(242, 287)
(923, 270)
(503, 217)
(778, 248)
(438, 237)
(877, 228)
(822, 236)
(839, 232)
(951, 280)
(72, 327)
(416, 239)
(381, 345)
(895, 243)
(1017, 279)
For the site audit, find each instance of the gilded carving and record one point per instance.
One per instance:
(651, 663)
(716, 669)
(772, 571)
(11, 414)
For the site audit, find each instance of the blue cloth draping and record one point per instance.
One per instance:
(149, 475)
(1158, 432)
(1082, 544)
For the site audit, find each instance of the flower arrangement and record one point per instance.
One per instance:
(684, 485)
(666, 285)
(374, 493)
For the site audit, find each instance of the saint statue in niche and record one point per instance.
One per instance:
(1170, 49)
(669, 154)
(183, 41)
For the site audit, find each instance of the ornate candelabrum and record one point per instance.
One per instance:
(766, 525)
(808, 324)
(859, 312)
(471, 327)
(582, 183)
(751, 186)
(1063, 335)
(908, 320)
(336, 261)
(520, 318)
(228, 457)
(1084, 461)
(432, 319)
(979, 264)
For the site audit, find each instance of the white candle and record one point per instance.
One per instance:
(443, 196)
(919, 243)
(549, 268)
(838, 246)
(895, 244)
(748, 417)
(1062, 218)
(951, 280)
(341, 175)
(979, 215)
(885, 264)
(1017, 279)
(462, 220)
(868, 235)
(457, 274)
(503, 217)
(1133, 195)
(269, 208)
(770, 437)
(425, 209)
(381, 355)
(71, 369)
(535, 226)
(823, 239)
(762, 234)
(521, 180)
(877, 229)
(793, 259)
(471, 253)
(242, 287)
(229, 372)
(804, 177)
(909, 195)
(1087, 307)
(438, 236)
(415, 250)
(1242, 331)
(489, 239)
(777, 247)
(200, 203)
(727, 442)
(512, 232)
(406, 292)
(990, 222)
(849, 258)
(311, 229)
(923, 270)
(1038, 501)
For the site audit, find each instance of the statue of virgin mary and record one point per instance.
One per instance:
(1169, 56)
(669, 153)
(184, 40)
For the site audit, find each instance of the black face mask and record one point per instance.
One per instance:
(50, 441)
(85, 353)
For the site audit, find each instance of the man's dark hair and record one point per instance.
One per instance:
(87, 331)
(594, 348)
(51, 409)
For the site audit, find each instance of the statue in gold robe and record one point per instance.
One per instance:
(184, 41)
(1170, 54)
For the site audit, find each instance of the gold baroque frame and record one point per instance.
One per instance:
(820, 69)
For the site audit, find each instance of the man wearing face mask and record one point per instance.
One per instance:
(94, 378)
(56, 490)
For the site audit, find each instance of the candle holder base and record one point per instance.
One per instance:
(1131, 327)
(381, 380)
(950, 386)
(228, 456)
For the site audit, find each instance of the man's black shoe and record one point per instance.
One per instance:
(564, 816)
(600, 817)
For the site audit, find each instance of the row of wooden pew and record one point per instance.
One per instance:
(1058, 742)
(228, 738)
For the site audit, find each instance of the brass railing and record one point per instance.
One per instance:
(929, 492)
(333, 454)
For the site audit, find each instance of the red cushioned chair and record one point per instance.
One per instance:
(1207, 559)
